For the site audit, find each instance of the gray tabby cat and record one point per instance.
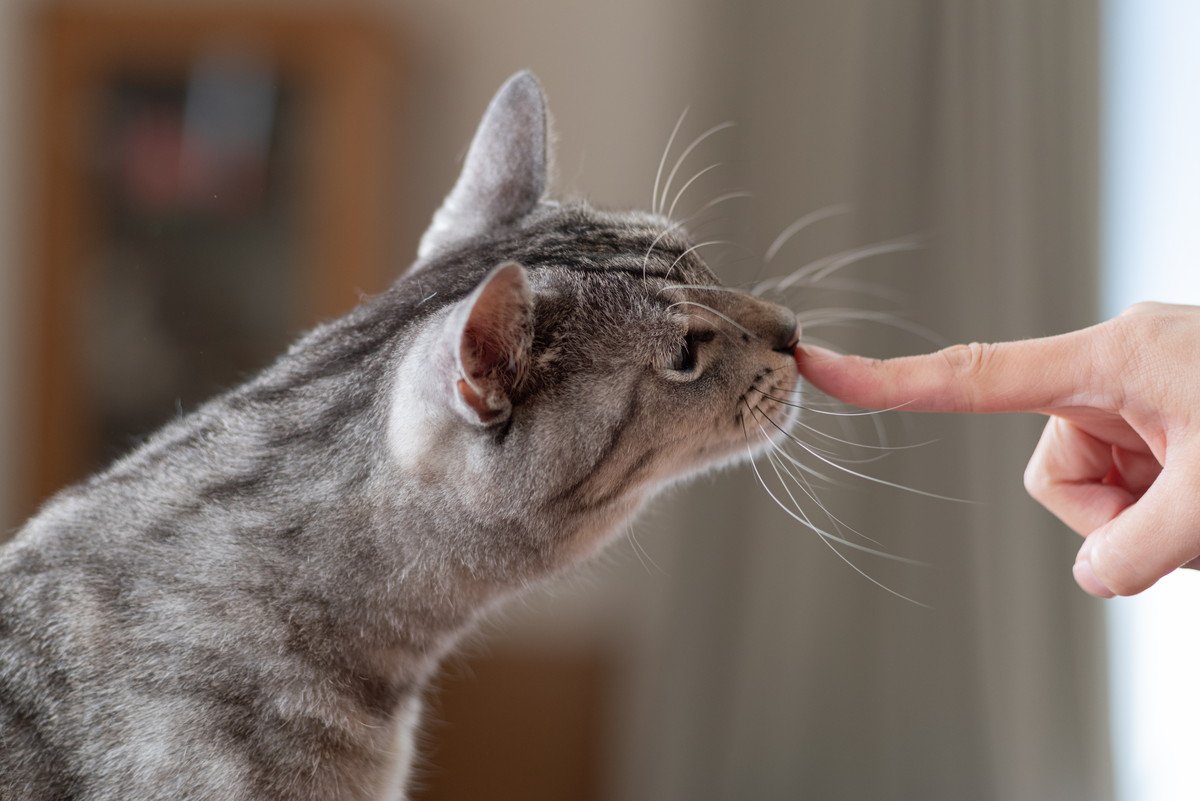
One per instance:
(249, 605)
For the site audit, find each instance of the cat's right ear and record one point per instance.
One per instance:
(504, 175)
(487, 343)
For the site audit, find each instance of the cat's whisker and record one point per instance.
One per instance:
(642, 555)
(807, 488)
(692, 180)
(724, 317)
(823, 343)
(864, 476)
(820, 267)
(700, 287)
(803, 394)
(803, 518)
(857, 414)
(687, 152)
(673, 226)
(839, 524)
(662, 162)
(846, 459)
(821, 433)
(797, 513)
(807, 469)
(880, 429)
(799, 225)
(866, 315)
(867, 288)
(633, 545)
(654, 243)
(826, 538)
(692, 249)
(735, 195)
(898, 247)
(827, 313)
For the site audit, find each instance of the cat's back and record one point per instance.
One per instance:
(37, 726)
(153, 648)
(67, 582)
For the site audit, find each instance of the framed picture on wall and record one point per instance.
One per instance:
(207, 184)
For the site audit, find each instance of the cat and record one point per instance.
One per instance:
(247, 606)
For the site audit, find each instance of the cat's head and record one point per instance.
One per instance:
(578, 360)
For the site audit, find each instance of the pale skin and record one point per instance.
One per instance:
(1119, 459)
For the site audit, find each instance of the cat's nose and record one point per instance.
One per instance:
(787, 336)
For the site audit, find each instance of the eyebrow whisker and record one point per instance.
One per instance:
(692, 249)
(662, 162)
(692, 180)
(683, 157)
(799, 225)
(724, 317)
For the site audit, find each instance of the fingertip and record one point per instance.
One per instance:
(811, 354)
(1087, 580)
(851, 379)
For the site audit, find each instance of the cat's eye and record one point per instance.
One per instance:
(684, 360)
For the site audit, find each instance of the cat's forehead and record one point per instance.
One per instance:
(586, 252)
(643, 246)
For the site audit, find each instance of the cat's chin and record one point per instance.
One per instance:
(774, 431)
(766, 421)
(779, 431)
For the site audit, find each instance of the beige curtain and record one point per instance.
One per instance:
(781, 673)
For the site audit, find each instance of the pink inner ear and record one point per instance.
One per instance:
(492, 336)
(476, 402)
(484, 344)
(493, 341)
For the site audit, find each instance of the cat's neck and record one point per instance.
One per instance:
(356, 573)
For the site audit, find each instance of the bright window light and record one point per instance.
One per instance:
(1151, 246)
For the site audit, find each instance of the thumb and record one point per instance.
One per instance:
(1146, 541)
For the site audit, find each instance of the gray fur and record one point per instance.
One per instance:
(505, 172)
(249, 604)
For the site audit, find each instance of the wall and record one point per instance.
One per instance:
(755, 664)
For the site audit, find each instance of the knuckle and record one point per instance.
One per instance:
(1142, 325)
(1119, 351)
(1035, 480)
(970, 360)
(970, 365)
(1141, 308)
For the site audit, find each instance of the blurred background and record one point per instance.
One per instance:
(184, 186)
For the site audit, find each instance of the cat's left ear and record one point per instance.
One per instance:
(504, 175)
(490, 336)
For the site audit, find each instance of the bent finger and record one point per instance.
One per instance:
(1067, 474)
(1154, 536)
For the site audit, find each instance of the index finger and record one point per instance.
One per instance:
(1022, 376)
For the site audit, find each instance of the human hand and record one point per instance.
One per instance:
(1119, 460)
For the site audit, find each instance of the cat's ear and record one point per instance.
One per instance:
(489, 336)
(504, 175)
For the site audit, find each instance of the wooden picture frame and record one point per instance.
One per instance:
(348, 68)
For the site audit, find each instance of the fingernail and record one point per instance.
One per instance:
(1086, 578)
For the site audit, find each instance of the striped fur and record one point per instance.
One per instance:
(248, 605)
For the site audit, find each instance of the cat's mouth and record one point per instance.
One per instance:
(768, 408)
